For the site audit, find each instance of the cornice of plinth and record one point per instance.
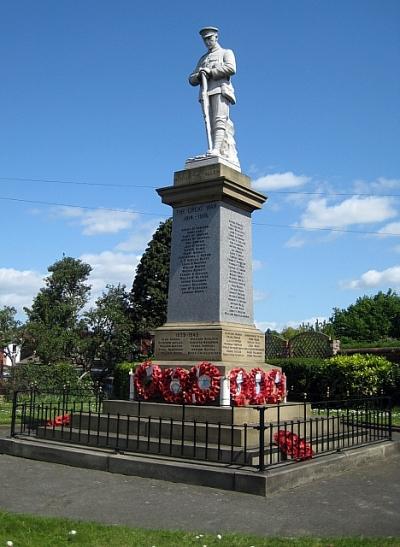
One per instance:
(220, 189)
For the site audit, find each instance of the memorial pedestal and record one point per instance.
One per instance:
(210, 299)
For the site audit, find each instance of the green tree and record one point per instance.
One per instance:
(150, 287)
(110, 333)
(371, 318)
(10, 332)
(54, 324)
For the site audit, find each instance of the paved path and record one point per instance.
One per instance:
(363, 502)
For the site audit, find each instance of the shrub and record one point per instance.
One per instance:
(343, 374)
(303, 376)
(50, 377)
(360, 374)
(121, 379)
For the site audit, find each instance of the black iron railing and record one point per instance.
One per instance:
(277, 434)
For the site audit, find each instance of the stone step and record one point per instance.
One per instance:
(166, 429)
(213, 414)
(152, 445)
(245, 455)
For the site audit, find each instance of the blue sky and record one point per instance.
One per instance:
(96, 92)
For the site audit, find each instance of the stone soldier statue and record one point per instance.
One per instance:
(213, 73)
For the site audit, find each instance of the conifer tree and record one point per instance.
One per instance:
(150, 287)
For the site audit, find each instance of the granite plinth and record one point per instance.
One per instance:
(226, 344)
(211, 252)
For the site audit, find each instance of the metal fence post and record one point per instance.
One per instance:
(261, 462)
(14, 413)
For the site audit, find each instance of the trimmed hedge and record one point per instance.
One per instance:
(121, 379)
(343, 374)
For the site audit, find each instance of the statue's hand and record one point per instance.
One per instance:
(206, 71)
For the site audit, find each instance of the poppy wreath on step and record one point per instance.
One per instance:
(239, 384)
(276, 386)
(174, 385)
(204, 383)
(63, 419)
(147, 380)
(257, 386)
(291, 445)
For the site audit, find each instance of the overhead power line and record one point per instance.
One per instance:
(53, 204)
(76, 183)
(120, 185)
(316, 228)
(128, 211)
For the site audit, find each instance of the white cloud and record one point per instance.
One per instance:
(280, 181)
(99, 221)
(110, 268)
(309, 321)
(380, 185)
(295, 242)
(374, 278)
(354, 210)
(257, 265)
(142, 235)
(18, 287)
(279, 326)
(392, 229)
(265, 325)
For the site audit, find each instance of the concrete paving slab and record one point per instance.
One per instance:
(363, 502)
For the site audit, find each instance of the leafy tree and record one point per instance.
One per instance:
(110, 333)
(150, 287)
(54, 323)
(10, 332)
(371, 318)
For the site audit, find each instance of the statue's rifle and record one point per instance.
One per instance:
(205, 102)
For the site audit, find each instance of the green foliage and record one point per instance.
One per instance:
(10, 330)
(109, 331)
(50, 377)
(303, 376)
(150, 287)
(370, 318)
(121, 379)
(54, 326)
(343, 374)
(360, 374)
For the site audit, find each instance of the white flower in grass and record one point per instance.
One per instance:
(219, 536)
(10, 544)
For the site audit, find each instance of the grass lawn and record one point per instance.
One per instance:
(26, 531)
(5, 411)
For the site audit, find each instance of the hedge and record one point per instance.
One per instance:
(343, 374)
(121, 379)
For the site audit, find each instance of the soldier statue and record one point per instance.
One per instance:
(213, 73)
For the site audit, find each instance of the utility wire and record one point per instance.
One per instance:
(129, 211)
(293, 227)
(119, 185)
(56, 181)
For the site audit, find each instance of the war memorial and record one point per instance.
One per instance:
(206, 409)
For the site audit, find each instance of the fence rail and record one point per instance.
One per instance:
(319, 428)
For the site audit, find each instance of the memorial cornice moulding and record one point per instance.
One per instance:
(222, 190)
